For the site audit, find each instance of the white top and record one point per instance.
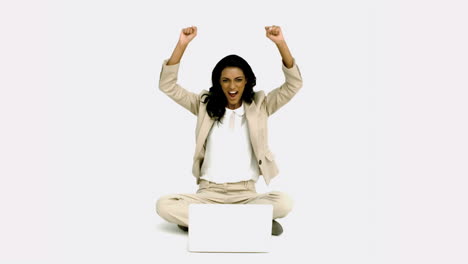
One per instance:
(229, 156)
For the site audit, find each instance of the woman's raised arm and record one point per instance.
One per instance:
(168, 77)
(283, 94)
(276, 35)
(186, 35)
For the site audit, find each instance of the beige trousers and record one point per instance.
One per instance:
(174, 207)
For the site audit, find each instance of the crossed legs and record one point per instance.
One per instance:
(174, 207)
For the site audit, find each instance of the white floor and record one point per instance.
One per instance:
(90, 225)
(300, 241)
(118, 224)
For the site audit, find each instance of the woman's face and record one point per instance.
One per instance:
(233, 83)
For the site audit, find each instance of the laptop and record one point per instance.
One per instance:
(230, 227)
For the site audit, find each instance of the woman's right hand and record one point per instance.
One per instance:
(187, 35)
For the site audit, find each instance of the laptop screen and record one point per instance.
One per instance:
(230, 227)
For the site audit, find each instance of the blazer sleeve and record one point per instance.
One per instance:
(283, 94)
(168, 84)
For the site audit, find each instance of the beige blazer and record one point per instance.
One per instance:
(256, 113)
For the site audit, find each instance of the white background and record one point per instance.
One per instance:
(373, 149)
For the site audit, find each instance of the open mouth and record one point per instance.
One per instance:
(233, 94)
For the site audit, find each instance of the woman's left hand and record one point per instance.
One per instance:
(274, 33)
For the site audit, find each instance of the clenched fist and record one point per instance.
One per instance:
(187, 35)
(274, 33)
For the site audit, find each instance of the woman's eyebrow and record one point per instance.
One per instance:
(234, 77)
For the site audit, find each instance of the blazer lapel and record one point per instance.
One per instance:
(252, 122)
(205, 128)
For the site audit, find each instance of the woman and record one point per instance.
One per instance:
(231, 135)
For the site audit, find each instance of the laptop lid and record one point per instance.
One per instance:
(230, 227)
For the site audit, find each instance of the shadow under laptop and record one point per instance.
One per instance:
(171, 228)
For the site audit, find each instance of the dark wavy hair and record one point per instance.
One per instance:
(216, 100)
